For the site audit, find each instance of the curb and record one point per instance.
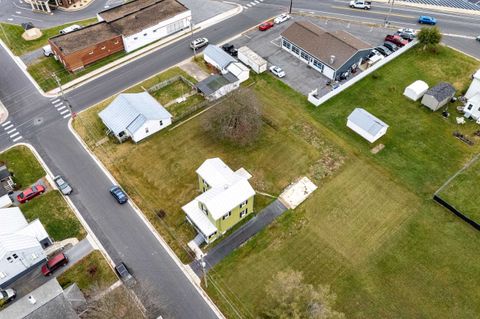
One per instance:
(90, 235)
(3, 113)
(152, 229)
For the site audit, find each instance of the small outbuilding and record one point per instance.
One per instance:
(218, 85)
(472, 108)
(366, 125)
(239, 70)
(438, 96)
(218, 58)
(416, 90)
(135, 116)
(474, 87)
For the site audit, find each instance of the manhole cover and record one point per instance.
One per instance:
(38, 121)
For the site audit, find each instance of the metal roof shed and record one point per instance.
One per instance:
(416, 90)
(366, 125)
(217, 57)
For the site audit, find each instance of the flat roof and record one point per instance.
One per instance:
(323, 44)
(147, 16)
(125, 9)
(84, 38)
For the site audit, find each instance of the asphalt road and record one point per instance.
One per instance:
(120, 230)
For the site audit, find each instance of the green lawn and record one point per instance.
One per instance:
(290, 140)
(11, 35)
(463, 192)
(55, 215)
(420, 148)
(92, 272)
(23, 164)
(42, 69)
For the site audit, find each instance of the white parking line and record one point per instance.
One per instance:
(18, 138)
(64, 111)
(11, 131)
(6, 123)
(61, 108)
(68, 115)
(14, 134)
(8, 127)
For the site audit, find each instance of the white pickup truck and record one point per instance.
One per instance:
(360, 4)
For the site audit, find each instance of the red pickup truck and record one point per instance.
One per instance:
(396, 39)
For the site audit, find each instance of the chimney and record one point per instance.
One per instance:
(32, 300)
(332, 59)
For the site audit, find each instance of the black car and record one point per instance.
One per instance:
(383, 50)
(124, 274)
(230, 49)
(119, 194)
(391, 46)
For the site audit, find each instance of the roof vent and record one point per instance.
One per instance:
(332, 59)
(225, 186)
(32, 300)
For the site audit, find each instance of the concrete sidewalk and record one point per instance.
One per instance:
(240, 236)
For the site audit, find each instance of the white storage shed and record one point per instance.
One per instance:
(253, 60)
(366, 125)
(218, 58)
(416, 90)
(474, 86)
(239, 70)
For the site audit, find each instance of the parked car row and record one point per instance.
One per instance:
(269, 24)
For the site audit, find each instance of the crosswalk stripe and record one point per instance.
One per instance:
(68, 115)
(253, 3)
(249, 5)
(256, 1)
(18, 138)
(14, 134)
(11, 131)
(61, 108)
(6, 123)
(64, 111)
(55, 101)
(245, 7)
(8, 127)
(58, 104)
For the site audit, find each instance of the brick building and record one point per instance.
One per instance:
(79, 48)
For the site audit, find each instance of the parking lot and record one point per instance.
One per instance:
(298, 75)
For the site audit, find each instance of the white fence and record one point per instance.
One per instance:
(320, 100)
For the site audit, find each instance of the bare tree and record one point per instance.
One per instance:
(121, 303)
(288, 296)
(237, 120)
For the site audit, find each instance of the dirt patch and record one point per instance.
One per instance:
(377, 148)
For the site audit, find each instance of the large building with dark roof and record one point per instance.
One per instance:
(126, 27)
(331, 53)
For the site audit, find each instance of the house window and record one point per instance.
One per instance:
(9, 259)
(295, 50)
(2, 275)
(304, 56)
(212, 235)
(286, 44)
(204, 209)
(116, 42)
(103, 48)
(15, 256)
(243, 212)
(161, 122)
(318, 64)
(90, 53)
(227, 215)
(145, 34)
(244, 203)
(470, 106)
(146, 130)
(135, 38)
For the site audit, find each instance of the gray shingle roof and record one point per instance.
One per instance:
(221, 57)
(441, 91)
(131, 110)
(366, 121)
(214, 82)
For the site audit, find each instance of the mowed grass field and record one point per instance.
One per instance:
(463, 192)
(159, 173)
(372, 231)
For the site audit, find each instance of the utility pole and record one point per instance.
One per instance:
(204, 271)
(387, 18)
(291, 5)
(62, 93)
(194, 49)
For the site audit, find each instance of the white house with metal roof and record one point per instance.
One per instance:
(21, 244)
(227, 197)
(366, 125)
(135, 116)
(218, 58)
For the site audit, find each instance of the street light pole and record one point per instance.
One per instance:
(387, 18)
(291, 5)
(191, 36)
(62, 93)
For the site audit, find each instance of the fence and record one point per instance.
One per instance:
(455, 211)
(163, 84)
(317, 101)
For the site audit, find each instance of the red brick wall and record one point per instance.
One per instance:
(79, 59)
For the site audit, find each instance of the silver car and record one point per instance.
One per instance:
(62, 185)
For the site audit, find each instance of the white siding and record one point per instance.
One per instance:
(24, 261)
(158, 31)
(149, 128)
(366, 135)
(224, 90)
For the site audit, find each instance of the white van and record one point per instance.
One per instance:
(47, 50)
(71, 28)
